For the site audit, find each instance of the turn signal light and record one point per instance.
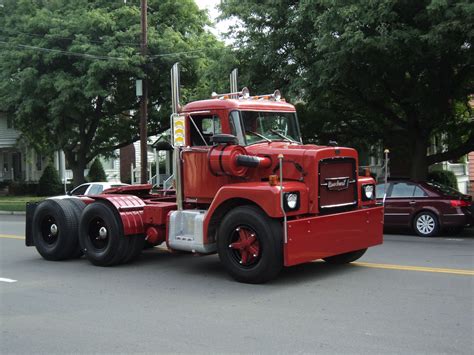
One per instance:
(273, 180)
(459, 203)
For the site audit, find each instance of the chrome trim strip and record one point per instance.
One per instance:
(340, 205)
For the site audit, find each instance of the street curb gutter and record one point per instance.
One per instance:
(10, 213)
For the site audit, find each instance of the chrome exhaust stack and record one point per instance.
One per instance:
(175, 92)
(233, 83)
(175, 107)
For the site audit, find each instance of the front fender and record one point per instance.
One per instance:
(261, 194)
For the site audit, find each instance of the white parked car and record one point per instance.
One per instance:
(94, 188)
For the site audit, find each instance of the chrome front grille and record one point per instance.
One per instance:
(337, 183)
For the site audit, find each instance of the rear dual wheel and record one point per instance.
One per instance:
(55, 228)
(102, 239)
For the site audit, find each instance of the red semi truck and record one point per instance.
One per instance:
(245, 187)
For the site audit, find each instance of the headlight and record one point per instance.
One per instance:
(368, 192)
(292, 201)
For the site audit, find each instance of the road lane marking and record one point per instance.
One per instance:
(371, 265)
(416, 268)
(11, 236)
(7, 280)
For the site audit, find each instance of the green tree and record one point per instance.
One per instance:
(96, 172)
(68, 70)
(49, 183)
(366, 68)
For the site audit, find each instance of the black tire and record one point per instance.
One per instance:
(78, 206)
(266, 233)
(55, 230)
(136, 245)
(345, 258)
(108, 248)
(426, 224)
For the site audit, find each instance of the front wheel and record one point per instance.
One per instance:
(250, 245)
(346, 257)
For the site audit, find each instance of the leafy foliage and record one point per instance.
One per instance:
(68, 70)
(367, 69)
(444, 177)
(96, 172)
(49, 183)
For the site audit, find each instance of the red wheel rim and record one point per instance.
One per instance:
(245, 246)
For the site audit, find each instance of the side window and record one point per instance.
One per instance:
(95, 189)
(419, 192)
(380, 190)
(235, 127)
(402, 189)
(203, 128)
(80, 190)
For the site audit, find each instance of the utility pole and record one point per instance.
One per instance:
(144, 99)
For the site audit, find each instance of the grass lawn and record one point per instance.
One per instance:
(16, 203)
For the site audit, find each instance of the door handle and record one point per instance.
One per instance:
(412, 202)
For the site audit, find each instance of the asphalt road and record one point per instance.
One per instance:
(410, 295)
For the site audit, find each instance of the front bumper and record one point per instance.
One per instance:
(322, 236)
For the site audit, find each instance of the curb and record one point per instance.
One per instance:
(11, 213)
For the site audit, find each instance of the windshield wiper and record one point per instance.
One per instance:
(282, 136)
(259, 135)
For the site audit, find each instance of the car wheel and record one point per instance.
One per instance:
(346, 257)
(250, 245)
(426, 224)
(55, 230)
(101, 235)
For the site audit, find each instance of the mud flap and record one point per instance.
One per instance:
(30, 211)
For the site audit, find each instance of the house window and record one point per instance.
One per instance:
(5, 162)
(9, 122)
(39, 162)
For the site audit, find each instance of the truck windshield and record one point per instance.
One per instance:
(264, 126)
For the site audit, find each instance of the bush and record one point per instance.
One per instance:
(96, 172)
(444, 177)
(49, 184)
(22, 188)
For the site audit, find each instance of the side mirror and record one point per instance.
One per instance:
(69, 193)
(224, 139)
(163, 146)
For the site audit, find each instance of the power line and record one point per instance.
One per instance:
(135, 44)
(75, 54)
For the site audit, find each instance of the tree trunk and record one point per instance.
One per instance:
(419, 161)
(78, 164)
(78, 174)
